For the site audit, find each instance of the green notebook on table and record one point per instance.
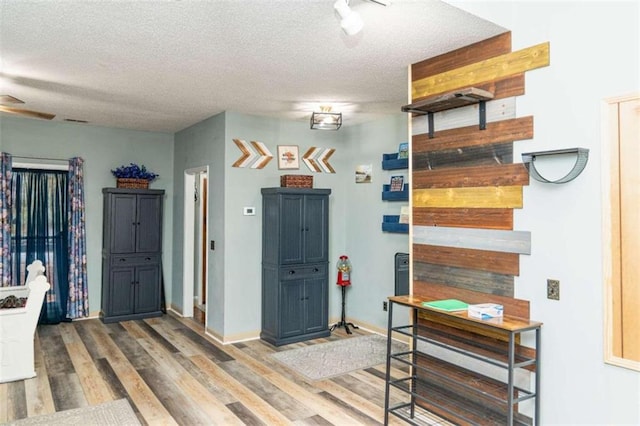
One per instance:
(449, 305)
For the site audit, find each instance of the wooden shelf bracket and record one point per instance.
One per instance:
(451, 100)
(582, 156)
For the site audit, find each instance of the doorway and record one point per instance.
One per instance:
(195, 253)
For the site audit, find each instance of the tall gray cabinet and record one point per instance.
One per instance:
(295, 255)
(131, 254)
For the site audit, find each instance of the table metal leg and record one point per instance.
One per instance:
(388, 375)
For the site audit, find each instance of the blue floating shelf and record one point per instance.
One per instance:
(391, 162)
(395, 195)
(391, 224)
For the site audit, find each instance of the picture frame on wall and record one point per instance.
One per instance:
(396, 183)
(288, 158)
(363, 173)
(403, 150)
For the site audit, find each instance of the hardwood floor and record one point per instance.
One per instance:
(171, 373)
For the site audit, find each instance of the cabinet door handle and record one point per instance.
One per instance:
(122, 259)
(147, 258)
(315, 269)
(292, 272)
(306, 229)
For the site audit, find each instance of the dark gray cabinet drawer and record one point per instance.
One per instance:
(306, 271)
(134, 260)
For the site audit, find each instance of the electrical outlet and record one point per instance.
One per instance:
(385, 305)
(553, 289)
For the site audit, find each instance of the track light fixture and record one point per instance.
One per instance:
(351, 22)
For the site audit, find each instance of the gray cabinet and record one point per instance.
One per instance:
(295, 251)
(131, 254)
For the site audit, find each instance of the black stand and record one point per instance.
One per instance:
(343, 322)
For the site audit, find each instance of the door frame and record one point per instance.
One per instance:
(188, 234)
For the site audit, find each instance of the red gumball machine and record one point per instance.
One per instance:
(344, 271)
(344, 281)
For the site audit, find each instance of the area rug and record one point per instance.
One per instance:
(110, 413)
(326, 360)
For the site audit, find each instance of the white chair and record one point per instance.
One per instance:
(18, 326)
(35, 269)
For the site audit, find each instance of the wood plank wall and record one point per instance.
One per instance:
(465, 183)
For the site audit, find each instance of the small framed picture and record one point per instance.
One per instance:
(288, 157)
(403, 150)
(363, 173)
(397, 183)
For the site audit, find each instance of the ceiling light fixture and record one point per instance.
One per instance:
(325, 119)
(351, 22)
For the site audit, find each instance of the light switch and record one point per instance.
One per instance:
(249, 211)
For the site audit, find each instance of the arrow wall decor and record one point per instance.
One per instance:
(317, 159)
(258, 158)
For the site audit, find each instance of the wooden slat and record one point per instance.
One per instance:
(477, 239)
(505, 87)
(494, 68)
(485, 155)
(464, 218)
(483, 260)
(499, 175)
(497, 132)
(468, 279)
(509, 197)
(494, 46)
(513, 307)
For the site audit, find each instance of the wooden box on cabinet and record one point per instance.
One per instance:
(295, 251)
(131, 254)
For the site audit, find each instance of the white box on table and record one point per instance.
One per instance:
(485, 310)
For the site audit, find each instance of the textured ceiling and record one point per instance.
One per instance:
(165, 65)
